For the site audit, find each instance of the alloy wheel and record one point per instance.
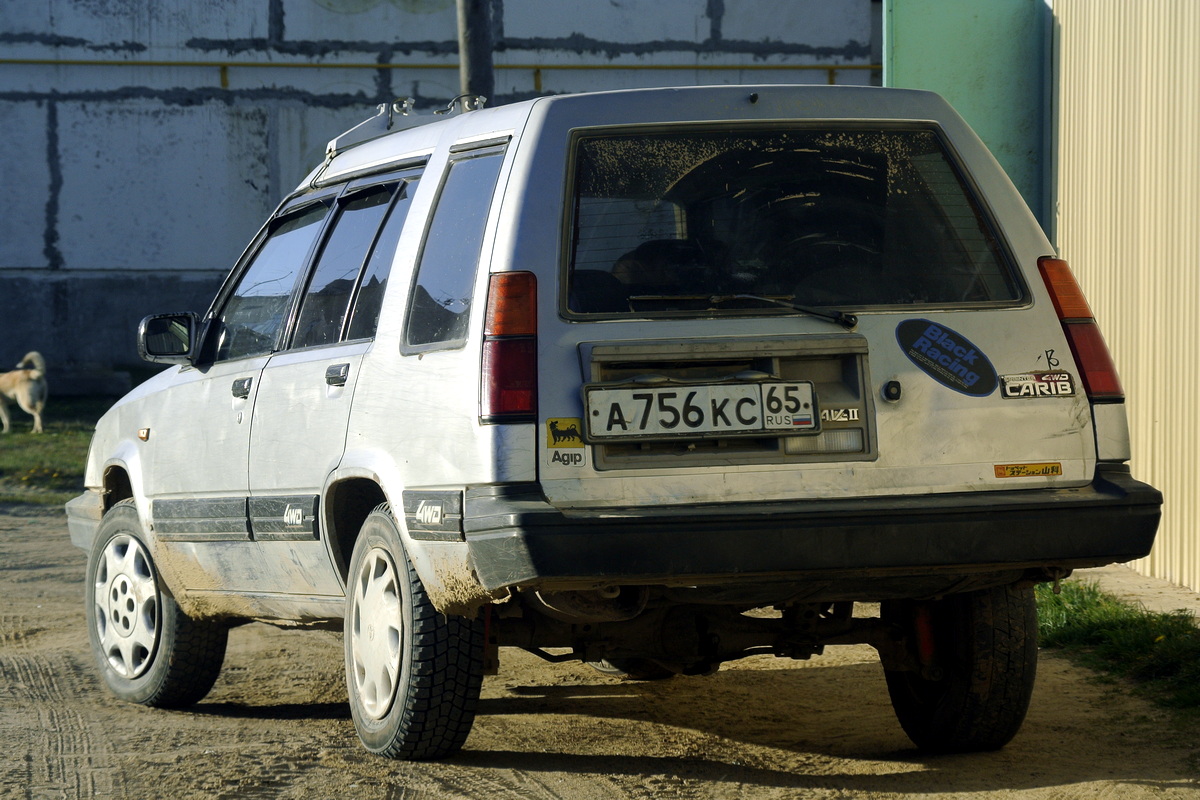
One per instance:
(376, 633)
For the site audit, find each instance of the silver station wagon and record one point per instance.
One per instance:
(651, 379)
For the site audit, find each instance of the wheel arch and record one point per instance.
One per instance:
(347, 504)
(115, 468)
(116, 485)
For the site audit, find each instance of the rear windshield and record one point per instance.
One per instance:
(680, 222)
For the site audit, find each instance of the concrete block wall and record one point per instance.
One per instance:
(147, 142)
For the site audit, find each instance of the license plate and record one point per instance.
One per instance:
(674, 411)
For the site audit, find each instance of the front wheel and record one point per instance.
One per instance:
(147, 649)
(413, 675)
(978, 659)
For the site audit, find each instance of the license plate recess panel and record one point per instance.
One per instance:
(753, 405)
(762, 399)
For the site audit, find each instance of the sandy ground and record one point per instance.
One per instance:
(277, 726)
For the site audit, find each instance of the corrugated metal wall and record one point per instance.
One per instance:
(1127, 218)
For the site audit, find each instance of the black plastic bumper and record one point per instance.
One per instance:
(516, 538)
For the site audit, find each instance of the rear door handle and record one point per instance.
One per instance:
(337, 374)
(241, 387)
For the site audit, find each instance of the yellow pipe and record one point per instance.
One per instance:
(371, 65)
(537, 69)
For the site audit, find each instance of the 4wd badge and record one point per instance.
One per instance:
(434, 515)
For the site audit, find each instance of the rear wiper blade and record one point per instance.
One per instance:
(847, 321)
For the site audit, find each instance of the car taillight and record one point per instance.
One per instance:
(509, 387)
(1099, 374)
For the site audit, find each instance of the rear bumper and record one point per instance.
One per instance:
(516, 538)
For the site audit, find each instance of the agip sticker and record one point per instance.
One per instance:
(946, 356)
(564, 443)
(564, 432)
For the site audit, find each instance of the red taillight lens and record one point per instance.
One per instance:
(1099, 374)
(508, 390)
(1100, 379)
(509, 379)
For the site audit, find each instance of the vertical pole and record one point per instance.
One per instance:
(475, 48)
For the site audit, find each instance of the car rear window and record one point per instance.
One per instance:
(685, 221)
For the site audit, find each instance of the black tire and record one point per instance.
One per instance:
(632, 669)
(413, 675)
(975, 695)
(147, 650)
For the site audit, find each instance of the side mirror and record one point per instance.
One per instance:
(168, 338)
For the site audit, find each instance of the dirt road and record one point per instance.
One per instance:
(277, 725)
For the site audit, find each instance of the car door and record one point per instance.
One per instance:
(303, 402)
(198, 439)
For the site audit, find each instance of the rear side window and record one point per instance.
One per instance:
(365, 317)
(252, 319)
(693, 221)
(440, 306)
(341, 260)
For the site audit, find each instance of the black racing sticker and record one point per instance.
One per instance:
(1037, 384)
(946, 356)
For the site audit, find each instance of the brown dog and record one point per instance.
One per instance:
(27, 385)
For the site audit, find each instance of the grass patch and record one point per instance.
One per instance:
(47, 468)
(1159, 652)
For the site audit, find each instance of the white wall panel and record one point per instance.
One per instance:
(1128, 221)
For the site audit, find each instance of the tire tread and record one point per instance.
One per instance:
(440, 693)
(981, 702)
(190, 652)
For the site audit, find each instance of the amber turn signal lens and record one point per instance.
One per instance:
(511, 305)
(1068, 298)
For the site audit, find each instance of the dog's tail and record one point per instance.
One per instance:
(33, 360)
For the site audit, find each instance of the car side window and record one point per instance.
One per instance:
(254, 314)
(365, 317)
(325, 304)
(439, 308)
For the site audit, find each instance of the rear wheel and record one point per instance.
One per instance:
(413, 675)
(147, 650)
(978, 653)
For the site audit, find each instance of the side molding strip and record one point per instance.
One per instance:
(291, 518)
(219, 519)
(238, 519)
